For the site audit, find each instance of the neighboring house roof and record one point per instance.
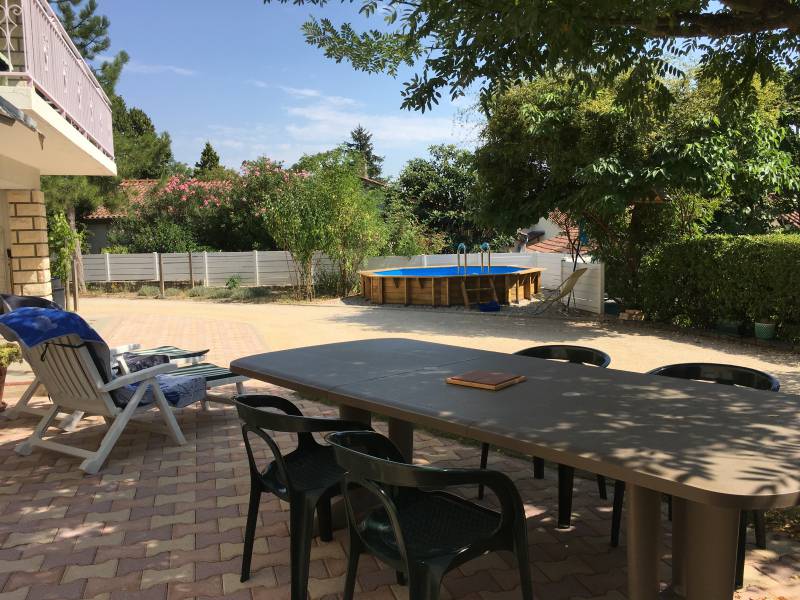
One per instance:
(136, 189)
(558, 244)
(790, 220)
(375, 183)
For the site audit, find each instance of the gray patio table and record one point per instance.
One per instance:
(715, 449)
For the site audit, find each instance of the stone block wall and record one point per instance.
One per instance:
(30, 255)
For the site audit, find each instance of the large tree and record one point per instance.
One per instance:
(491, 44)
(88, 30)
(361, 142)
(634, 183)
(209, 160)
(438, 192)
(140, 152)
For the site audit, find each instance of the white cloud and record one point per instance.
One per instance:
(312, 121)
(134, 66)
(301, 92)
(147, 69)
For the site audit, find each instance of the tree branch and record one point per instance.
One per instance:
(749, 16)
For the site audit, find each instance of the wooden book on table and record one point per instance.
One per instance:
(486, 380)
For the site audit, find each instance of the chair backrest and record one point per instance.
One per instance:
(574, 354)
(71, 375)
(371, 461)
(568, 284)
(721, 373)
(11, 302)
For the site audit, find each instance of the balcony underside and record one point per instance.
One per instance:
(64, 150)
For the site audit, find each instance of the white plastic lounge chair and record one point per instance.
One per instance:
(563, 291)
(76, 370)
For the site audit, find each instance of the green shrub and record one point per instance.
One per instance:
(199, 291)
(149, 291)
(697, 282)
(242, 294)
(234, 281)
(173, 292)
(9, 352)
(218, 293)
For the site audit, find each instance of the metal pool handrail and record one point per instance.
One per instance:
(462, 247)
(485, 248)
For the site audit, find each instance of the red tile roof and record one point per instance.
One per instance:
(557, 244)
(790, 220)
(135, 190)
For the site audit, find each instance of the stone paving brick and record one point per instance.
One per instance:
(98, 570)
(158, 546)
(19, 594)
(152, 577)
(129, 582)
(70, 591)
(166, 522)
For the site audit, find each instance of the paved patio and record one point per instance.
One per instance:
(162, 521)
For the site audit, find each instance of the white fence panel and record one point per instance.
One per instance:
(278, 269)
(224, 265)
(121, 267)
(94, 267)
(176, 266)
(589, 291)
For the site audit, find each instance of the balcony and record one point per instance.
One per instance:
(43, 74)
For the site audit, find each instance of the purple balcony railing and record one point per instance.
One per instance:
(36, 50)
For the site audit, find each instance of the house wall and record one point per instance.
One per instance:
(97, 235)
(26, 256)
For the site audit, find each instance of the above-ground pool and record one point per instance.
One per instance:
(447, 286)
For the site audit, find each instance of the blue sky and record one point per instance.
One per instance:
(240, 75)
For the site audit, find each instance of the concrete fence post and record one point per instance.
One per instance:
(155, 267)
(108, 267)
(205, 268)
(255, 267)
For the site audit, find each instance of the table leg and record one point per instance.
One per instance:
(402, 434)
(679, 534)
(712, 535)
(644, 548)
(355, 414)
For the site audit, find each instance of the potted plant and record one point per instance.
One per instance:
(765, 328)
(9, 352)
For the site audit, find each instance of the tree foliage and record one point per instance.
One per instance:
(361, 143)
(591, 42)
(438, 192)
(209, 161)
(88, 30)
(550, 146)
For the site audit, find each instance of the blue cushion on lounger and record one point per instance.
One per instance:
(178, 390)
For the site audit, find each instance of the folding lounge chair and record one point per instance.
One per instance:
(74, 363)
(563, 291)
(126, 359)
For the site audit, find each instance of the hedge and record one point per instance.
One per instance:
(698, 282)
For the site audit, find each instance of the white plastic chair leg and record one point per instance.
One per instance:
(26, 447)
(22, 404)
(165, 409)
(92, 464)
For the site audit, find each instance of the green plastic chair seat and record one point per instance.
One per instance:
(433, 524)
(310, 469)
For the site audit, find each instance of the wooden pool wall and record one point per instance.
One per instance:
(450, 290)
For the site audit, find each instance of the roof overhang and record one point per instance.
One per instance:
(54, 146)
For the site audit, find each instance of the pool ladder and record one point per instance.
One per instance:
(465, 291)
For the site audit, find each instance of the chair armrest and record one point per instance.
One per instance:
(117, 350)
(138, 376)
